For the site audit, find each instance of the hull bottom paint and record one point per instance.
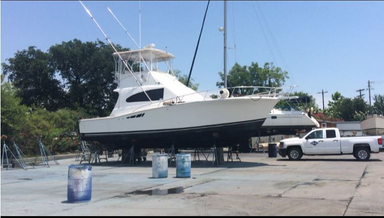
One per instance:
(221, 135)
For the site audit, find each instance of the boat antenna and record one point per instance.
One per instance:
(126, 31)
(198, 42)
(113, 47)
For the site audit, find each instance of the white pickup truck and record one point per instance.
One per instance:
(327, 141)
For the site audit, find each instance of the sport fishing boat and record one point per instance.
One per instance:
(155, 110)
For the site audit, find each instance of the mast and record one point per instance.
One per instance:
(225, 44)
(198, 42)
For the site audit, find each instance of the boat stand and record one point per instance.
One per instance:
(86, 152)
(97, 156)
(196, 153)
(6, 149)
(45, 154)
(171, 154)
(131, 156)
(94, 156)
(230, 155)
(78, 155)
(79, 152)
(21, 158)
(213, 151)
(258, 145)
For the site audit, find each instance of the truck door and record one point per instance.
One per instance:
(314, 143)
(332, 143)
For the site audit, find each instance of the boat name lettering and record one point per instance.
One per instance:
(136, 116)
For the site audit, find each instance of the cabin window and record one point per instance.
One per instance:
(155, 94)
(331, 134)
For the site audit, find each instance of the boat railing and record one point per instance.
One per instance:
(213, 94)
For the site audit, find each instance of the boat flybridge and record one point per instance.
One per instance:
(155, 110)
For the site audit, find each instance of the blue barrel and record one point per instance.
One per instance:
(183, 165)
(160, 166)
(79, 183)
(272, 150)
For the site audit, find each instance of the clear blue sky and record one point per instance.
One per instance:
(331, 46)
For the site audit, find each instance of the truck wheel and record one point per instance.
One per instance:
(362, 153)
(295, 154)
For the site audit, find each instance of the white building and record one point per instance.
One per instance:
(373, 125)
(349, 128)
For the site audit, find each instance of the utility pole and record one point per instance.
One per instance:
(369, 91)
(322, 93)
(360, 90)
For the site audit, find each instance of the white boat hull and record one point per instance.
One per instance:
(287, 122)
(222, 121)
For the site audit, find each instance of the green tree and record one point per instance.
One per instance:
(352, 109)
(237, 76)
(254, 75)
(334, 106)
(378, 106)
(304, 102)
(346, 110)
(359, 105)
(86, 69)
(31, 72)
(13, 114)
(58, 130)
(183, 79)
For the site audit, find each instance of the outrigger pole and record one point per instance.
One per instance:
(113, 47)
(126, 31)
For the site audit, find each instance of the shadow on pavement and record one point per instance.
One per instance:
(194, 164)
(329, 160)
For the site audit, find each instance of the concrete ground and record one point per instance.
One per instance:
(259, 185)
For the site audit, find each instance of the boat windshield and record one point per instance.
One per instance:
(143, 60)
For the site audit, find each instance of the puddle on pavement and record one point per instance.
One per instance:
(306, 183)
(157, 191)
(24, 179)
